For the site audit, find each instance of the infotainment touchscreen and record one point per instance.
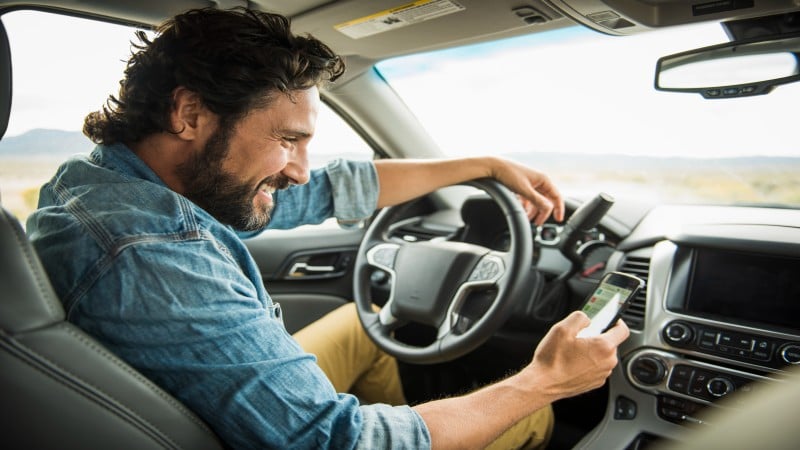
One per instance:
(750, 288)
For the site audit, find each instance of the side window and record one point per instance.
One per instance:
(58, 77)
(335, 139)
(62, 75)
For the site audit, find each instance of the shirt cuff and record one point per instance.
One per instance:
(354, 186)
(392, 427)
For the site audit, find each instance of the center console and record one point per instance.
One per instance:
(722, 317)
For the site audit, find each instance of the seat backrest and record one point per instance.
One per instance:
(59, 388)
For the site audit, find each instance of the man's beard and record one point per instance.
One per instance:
(221, 194)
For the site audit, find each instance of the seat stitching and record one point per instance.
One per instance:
(121, 365)
(27, 350)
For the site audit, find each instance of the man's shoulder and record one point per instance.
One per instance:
(114, 204)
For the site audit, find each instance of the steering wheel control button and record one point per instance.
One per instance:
(791, 354)
(624, 408)
(648, 370)
(488, 269)
(384, 256)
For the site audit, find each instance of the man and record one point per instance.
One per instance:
(209, 135)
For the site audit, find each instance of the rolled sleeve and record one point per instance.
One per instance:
(354, 189)
(392, 427)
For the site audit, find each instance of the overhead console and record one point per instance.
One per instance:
(624, 17)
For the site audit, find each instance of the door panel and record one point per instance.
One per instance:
(308, 270)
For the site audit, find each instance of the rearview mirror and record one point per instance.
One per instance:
(734, 69)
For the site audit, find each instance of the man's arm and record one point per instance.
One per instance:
(563, 365)
(401, 180)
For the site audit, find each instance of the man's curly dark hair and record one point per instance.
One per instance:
(235, 60)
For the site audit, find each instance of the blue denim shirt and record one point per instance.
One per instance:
(177, 295)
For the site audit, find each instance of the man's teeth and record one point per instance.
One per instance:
(266, 188)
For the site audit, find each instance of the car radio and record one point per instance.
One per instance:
(748, 348)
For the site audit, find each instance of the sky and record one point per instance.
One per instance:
(540, 93)
(533, 94)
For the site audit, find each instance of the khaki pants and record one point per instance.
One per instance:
(354, 364)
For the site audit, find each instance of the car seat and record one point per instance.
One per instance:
(59, 388)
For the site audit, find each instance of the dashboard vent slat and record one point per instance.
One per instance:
(634, 315)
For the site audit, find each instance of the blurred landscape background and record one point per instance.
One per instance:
(30, 159)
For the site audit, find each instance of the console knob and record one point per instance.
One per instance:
(719, 386)
(791, 354)
(678, 333)
(648, 370)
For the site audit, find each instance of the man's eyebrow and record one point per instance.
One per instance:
(295, 132)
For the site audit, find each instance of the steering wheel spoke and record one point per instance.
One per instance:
(489, 270)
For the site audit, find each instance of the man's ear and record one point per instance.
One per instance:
(189, 116)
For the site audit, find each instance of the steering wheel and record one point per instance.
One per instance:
(430, 281)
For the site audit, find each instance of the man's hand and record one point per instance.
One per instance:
(537, 193)
(565, 365)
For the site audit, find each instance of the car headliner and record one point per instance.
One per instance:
(477, 21)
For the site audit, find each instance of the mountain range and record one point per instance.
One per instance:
(45, 143)
(60, 144)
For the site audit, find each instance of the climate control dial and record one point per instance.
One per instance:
(678, 333)
(648, 370)
(790, 353)
(720, 386)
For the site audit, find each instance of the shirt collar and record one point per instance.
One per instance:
(120, 158)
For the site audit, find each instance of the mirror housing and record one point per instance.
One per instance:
(734, 69)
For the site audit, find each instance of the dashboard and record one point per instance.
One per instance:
(720, 317)
(719, 314)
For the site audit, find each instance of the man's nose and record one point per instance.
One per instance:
(297, 167)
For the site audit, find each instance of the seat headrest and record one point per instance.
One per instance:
(27, 301)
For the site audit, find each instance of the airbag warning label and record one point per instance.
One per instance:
(401, 16)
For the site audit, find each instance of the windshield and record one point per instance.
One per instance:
(581, 106)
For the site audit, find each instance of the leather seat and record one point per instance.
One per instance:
(59, 388)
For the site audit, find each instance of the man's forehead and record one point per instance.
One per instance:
(296, 117)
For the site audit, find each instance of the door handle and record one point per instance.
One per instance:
(301, 269)
(326, 264)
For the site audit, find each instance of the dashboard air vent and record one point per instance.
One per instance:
(640, 267)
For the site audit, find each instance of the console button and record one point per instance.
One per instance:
(791, 354)
(681, 371)
(737, 341)
(720, 386)
(708, 334)
(678, 384)
(681, 386)
(624, 408)
(678, 333)
(648, 370)
(677, 410)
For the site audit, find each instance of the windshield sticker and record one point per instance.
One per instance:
(401, 16)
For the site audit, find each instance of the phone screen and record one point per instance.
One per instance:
(608, 301)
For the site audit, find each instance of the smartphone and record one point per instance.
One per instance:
(609, 300)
